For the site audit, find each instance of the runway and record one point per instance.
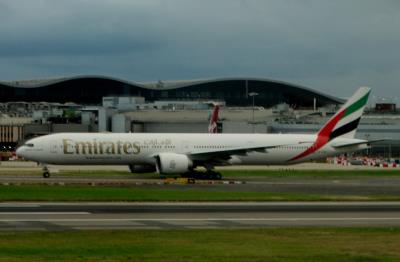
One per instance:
(83, 216)
(23, 173)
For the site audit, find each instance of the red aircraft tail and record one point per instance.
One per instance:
(212, 127)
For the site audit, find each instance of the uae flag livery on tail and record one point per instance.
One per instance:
(343, 124)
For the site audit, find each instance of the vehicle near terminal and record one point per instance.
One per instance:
(182, 153)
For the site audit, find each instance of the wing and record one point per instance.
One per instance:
(222, 156)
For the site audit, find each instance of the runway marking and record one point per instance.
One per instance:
(5, 205)
(200, 219)
(44, 213)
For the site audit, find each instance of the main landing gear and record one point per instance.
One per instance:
(209, 174)
(213, 175)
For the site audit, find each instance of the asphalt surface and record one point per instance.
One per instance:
(20, 172)
(82, 216)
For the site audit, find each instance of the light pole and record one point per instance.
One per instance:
(253, 94)
(368, 149)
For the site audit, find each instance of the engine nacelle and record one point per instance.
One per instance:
(171, 163)
(142, 169)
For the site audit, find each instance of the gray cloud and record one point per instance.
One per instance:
(332, 46)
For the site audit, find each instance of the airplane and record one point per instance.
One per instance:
(212, 127)
(182, 153)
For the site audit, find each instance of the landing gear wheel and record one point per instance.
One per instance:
(208, 175)
(46, 172)
(213, 175)
(217, 176)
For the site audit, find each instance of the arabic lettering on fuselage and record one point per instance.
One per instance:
(157, 142)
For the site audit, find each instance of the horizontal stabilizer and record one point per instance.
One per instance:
(363, 142)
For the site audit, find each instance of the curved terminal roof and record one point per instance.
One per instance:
(234, 91)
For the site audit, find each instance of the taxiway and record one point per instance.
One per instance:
(82, 216)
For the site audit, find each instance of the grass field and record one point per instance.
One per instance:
(226, 173)
(92, 193)
(254, 173)
(284, 244)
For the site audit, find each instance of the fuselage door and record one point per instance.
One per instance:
(185, 146)
(53, 147)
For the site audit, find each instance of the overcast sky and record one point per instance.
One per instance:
(331, 46)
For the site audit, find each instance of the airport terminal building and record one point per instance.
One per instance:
(98, 103)
(90, 90)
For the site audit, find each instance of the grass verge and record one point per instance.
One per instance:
(92, 193)
(279, 244)
(253, 173)
(225, 173)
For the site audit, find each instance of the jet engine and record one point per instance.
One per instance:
(142, 169)
(171, 163)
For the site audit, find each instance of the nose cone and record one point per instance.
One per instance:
(20, 151)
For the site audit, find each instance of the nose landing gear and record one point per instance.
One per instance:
(46, 172)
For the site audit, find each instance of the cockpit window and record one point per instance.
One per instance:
(29, 145)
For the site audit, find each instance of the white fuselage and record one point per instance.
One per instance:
(141, 148)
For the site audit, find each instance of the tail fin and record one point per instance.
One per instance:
(345, 122)
(212, 127)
